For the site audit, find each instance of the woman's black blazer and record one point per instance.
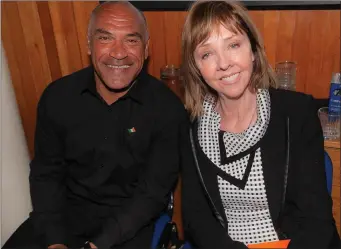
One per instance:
(293, 138)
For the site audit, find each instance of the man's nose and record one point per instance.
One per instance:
(118, 51)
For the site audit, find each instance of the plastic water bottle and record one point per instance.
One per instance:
(335, 94)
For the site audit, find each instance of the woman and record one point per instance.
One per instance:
(258, 169)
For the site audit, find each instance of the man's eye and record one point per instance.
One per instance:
(132, 41)
(103, 38)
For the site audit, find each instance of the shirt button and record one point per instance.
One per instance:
(101, 166)
(105, 138)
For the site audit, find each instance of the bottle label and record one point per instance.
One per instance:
(335, 98)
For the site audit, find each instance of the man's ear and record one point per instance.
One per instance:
(146, 50)
(89, 48)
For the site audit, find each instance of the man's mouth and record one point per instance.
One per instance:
(118, 66)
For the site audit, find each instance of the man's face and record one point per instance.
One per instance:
(118, 45)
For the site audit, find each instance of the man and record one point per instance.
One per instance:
(106, 146)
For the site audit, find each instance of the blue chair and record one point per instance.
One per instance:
(159, 226)
(329, 171)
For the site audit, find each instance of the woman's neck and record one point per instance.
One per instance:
(237, 114)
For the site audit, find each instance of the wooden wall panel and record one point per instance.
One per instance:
(157, 51)
(309, 37)
(270, 37)
(50, 41)
(173, 23)
(35, 46)
(43, 41)
(65, 31)
(165, 39)
(20, 67)
(82, 11)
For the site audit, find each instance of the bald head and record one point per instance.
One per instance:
(123, 7)
(118, 46)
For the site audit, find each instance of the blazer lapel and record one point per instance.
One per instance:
(208, 173)
(273, 151)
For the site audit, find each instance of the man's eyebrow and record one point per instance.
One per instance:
(135, 34)
(102, 31)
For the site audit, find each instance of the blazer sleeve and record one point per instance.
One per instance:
(201, 227)
(317, 227)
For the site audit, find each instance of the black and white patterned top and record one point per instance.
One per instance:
(246, 209)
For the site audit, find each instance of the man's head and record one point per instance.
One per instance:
(118, 44)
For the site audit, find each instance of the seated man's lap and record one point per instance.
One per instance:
(25, 238)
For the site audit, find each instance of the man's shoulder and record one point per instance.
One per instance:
(162, 96)
(69, 84)
(160, 91)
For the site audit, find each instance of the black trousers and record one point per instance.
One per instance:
(25, 238)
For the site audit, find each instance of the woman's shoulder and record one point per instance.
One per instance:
(288, 95)
(299, 107)
(291, 101)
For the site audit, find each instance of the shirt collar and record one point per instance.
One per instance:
(137, 91)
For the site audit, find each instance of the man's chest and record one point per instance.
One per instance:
(108, 133)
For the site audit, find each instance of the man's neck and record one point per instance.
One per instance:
(108, 96)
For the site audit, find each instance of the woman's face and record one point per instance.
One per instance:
(225, 62)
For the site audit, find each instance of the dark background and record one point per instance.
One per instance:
(252, 5)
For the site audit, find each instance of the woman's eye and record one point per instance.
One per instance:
(205, 56)
(235, 45)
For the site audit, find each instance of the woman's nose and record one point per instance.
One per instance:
(224, 61)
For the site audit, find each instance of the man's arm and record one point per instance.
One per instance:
(150, 197)
(47, 178)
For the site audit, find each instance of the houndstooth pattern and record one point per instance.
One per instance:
(247, 210)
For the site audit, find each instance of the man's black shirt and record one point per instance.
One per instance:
(114, 163)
